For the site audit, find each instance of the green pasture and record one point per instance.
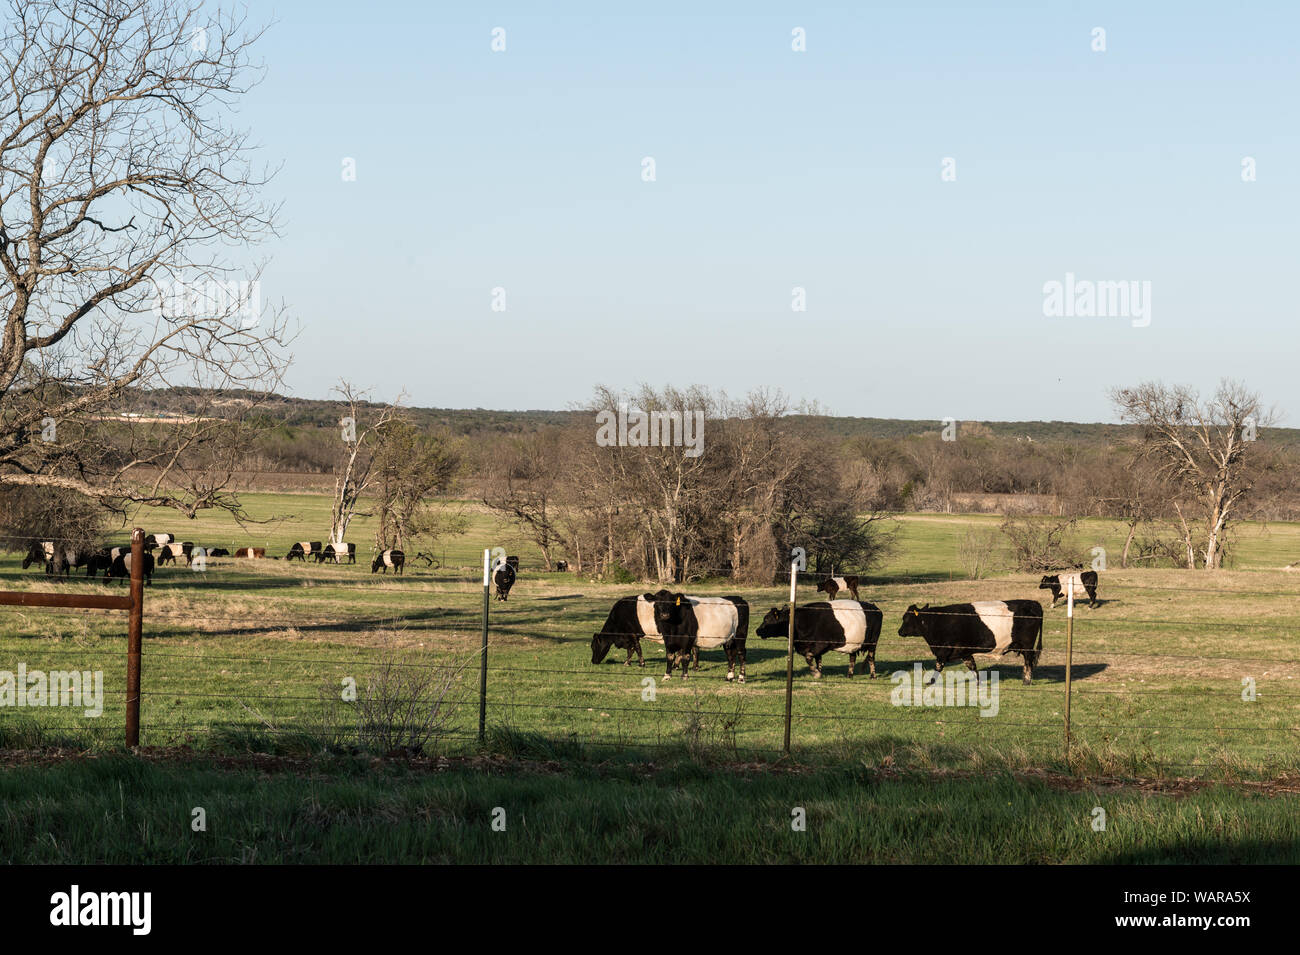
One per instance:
(252, 655)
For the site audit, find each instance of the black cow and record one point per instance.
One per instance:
(121, 567)
(218, 552)
(845, 626)
(959, 631)
(833, 585)
(40, 552)
(504, 578)
(388, 558)
(303, 549)
(337, 552)
(1085, 581)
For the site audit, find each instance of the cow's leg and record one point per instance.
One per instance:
(731, 662)
(683, 661)
(853, 658)
(970, 665)
(740, 651)
(871, 662)
(628, 661)
(695, 657)
(640, 660)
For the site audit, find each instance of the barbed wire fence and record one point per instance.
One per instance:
(406, 697)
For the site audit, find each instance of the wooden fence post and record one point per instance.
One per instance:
(134, 639)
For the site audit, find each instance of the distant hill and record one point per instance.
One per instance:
(314, 412)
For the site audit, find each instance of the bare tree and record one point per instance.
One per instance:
(411, 468)
(122, 187)
(1203, 448)
(355, 472)
(523, 482)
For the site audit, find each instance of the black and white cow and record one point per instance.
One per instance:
(40, 552)
(845, 626)
(301, 550)
(58, 559)
(1084, 582)
(157, 540)
(388, 558)
(170, 553)
(338, 552)
(504, 578)
(683, 624)
(121, 567)
(833, 585)
(959, 631)
(561, 566)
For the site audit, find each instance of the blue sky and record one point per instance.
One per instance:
(775, 169)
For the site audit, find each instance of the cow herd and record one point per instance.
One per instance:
(686, 624)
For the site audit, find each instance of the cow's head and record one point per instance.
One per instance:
(828, 586)
(377, 563)
(776, 623)
(668, 610)
(913, 622)
(600, 644)
(35, 553)
(1051, 582)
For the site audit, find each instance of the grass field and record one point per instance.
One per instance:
(249, 657)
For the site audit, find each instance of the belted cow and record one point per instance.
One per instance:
(845, 626)
(388, 558)
(337, 552)
(1084, 582)
(959, 631)
(121, 567)
(301, 550)
(683, 624)
(170, 553)
(833, 585)
(504, 578)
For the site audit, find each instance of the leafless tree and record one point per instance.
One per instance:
(1203, 448)
(361, 426)
(123, 189)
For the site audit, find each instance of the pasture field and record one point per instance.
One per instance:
(248, 657)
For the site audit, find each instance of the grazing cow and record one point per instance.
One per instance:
(157, 540)
(833, 585)
(58, 559)
(218, 552)
(250, 552)
(845, 626)
(100, 560)
(170, 553)
(561, 566)
(41, 552)
(388, 558)
(1085, 581)
(504, 578)
(683, 624)
(304, 549)
(337, 552)
(121, 567)
(959, 631)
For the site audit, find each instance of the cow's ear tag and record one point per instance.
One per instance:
(679, 601)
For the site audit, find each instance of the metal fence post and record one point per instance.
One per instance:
(482, 663)
(789, 658)
(1069, 659)
(134, 639)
